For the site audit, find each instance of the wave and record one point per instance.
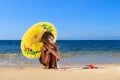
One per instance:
(10, 55)
(116, 55)
(70, 54)
(89, 53)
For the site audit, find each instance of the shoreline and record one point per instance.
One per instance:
(62, 66)
(59, 64)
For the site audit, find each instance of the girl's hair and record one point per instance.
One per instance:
(45, 40)
(45, 36)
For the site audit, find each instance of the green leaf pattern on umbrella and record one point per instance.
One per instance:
(47, 28)
(30, 51)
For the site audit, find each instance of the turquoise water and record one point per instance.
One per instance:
(72, 51)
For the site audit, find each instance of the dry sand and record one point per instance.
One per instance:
(104, 72)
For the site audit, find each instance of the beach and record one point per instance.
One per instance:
(104, 72)
(103, 54)
(80, 39)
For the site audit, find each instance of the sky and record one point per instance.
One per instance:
(74, 19)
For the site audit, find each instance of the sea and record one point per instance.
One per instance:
(73, 52)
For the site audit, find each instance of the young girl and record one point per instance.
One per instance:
(49, 52)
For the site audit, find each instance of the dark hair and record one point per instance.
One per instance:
(45, 36)
(45, 40)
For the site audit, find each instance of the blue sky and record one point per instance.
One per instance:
(74, 19)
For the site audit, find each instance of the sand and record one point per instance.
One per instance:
(104, 72)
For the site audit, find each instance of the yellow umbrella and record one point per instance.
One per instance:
(30, 44)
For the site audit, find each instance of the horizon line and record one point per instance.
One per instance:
(68, 39)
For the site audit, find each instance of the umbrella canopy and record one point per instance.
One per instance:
(31, 42)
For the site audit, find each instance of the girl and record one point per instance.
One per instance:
(49, 52)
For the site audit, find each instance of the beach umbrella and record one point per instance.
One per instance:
(31, 42)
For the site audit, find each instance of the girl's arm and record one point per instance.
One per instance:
(56, 54)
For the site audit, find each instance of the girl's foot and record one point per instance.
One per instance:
(53, 68)
(46, 67)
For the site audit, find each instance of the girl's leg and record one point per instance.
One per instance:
(53, 62)
(47, 63)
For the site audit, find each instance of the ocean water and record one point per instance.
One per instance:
(73, 52)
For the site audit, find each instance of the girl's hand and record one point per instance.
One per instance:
(50, 51)
(53, 52)
(57, 55)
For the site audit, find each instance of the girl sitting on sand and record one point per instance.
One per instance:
(49, 52)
